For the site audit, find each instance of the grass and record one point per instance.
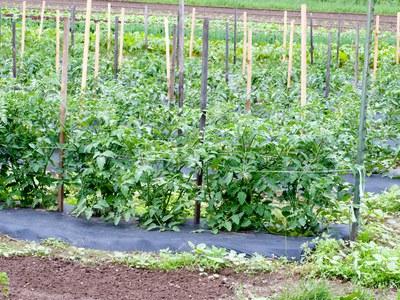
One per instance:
(384, 7)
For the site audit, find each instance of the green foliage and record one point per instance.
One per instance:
(4, 284)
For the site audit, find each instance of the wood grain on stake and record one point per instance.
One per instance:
(303, 100)
(23, 28)
(121, 39)
(290, 62)
(42, 18)
(376, 47)
(97, 51)
(284, 34)
(244, 43)
(167, 50)
(249, 70)
(57, 62)
(86, 44)
(192, 31)
(63, 112)
(108, 26)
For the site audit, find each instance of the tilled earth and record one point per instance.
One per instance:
(34, 278)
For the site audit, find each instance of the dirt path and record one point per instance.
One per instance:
(36, 278)
(274, 16)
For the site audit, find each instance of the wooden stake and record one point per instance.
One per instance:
(108, 26)
(167, 51)
(235, 38)
(227, 52)
(116, 48)
(203, 108)
(63, 113)
(311, 41)
(14, 49)
(376, 47)
(249, 70)
(290, 63)
(121, 39)
(86, 45)
(357, 54)
(192, 32)
(181, 56)
(97, 51)
(23, 29)
(285, 27)
(146, 26)
(398, 39)
(42, 18)
(303, 100)
(57, 62)
(328, 67)
(244, 43)
(171, 88)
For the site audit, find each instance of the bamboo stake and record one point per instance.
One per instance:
(398, 39)
(290, 63)
(63, 112)
(97, 51)
(42, 18)
(23, 29)
(86, 45)
(285, 28)
(146, 26)
(192, 31)
(244, 43)
(249, 70)
(167, 51)
(357, 54)
(57, 62)
(303, 100)
(108, 26)
(121, 39)
(203, 107)
(376, 47)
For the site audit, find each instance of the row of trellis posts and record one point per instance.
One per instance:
(177, 56)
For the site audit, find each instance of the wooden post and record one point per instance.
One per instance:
(86, 45)
(167, 51)
(72, 25)
(108, 26)
(303, 100)
(14, 49)
(249, 70)
(376, 47)
(235, 38)
(203, 108)
(357, 54)
(227, 52)
(146, 26)
(311, 41)
(63, 113)
(290, 63)
(42, 18)
(284, 35)
(181, 57)
(338, 43)
(328, 67)
(398, 39)
(121, 39)
(97, 51)
(171, 88)
(116, 48)
(192, 32)
(23, 29)
(362, 131)
(244, 43)
(57, 62)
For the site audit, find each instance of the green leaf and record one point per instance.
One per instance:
(101, 161)
(242, 197)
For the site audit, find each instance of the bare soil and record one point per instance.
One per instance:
(55, 279)
(274, 16)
